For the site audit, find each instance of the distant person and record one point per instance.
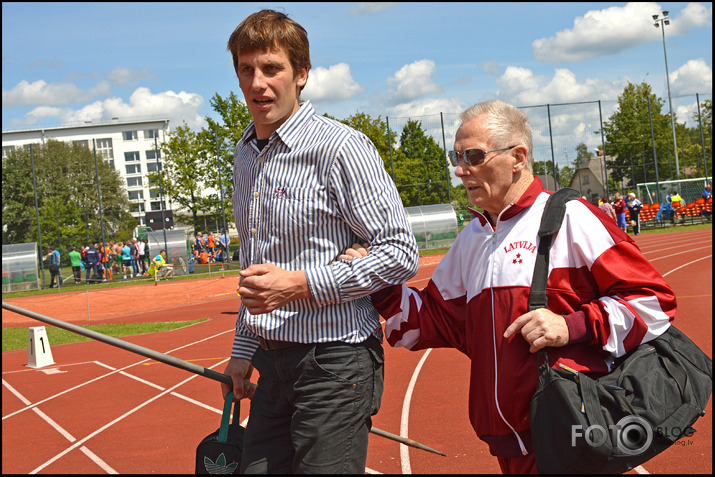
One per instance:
(76, 263)
(53, 258)
(127, 260)
(606, 207)
(211, 243)
(91, 260)
(634, 207)
(708, 192)
(106, 254)
(163, 270)
(619, 207)
(141, 264)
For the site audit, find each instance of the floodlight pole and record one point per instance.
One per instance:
(661, 22)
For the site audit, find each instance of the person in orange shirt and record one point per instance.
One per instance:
(211, 243)
(106, 256)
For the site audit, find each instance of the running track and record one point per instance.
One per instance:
(101, 409)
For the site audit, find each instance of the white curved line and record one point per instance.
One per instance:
(405, 418)
(686, 264)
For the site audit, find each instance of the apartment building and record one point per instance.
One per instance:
(127, 145)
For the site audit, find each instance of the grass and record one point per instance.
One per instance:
(17, 338)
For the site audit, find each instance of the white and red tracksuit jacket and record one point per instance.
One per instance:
(610, 295)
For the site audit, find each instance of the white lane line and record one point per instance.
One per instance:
(679, 253)
(686, 264)
(92, 456)
(110, 424)
(111, 373)
(404, 420)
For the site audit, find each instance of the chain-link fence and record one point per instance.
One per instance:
(560, 130)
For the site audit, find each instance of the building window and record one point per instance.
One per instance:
(134, 181)
(138, 208)
(153, 166)
(154, 193)
(104, 149)
(151, 154)
(136, 195)
(129, 135)
(134, 169)
(131, 156)
(82, 143)
(6, 150)
(585, 179)
(151, 133)
(157, 205)
(140, 220)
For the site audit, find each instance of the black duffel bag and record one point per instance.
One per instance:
(650, 399)
(220, 452)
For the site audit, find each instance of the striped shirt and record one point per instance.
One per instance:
(318, 187)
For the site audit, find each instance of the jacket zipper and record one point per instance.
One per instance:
(494, 342)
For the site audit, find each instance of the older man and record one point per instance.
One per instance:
(604, 297)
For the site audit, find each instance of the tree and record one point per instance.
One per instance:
(628, 137)
(184, 167)
(224, 136)
(66, 196)
(427, 166)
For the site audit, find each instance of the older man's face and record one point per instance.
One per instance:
(490, 183)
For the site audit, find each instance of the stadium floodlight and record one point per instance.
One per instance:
(666, 21)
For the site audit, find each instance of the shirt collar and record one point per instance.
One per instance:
(290, 130)
(525, 200)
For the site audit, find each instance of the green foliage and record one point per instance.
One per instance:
(630, 142)
(67, 197)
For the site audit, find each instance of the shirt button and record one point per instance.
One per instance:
(255, 194)
(254, 231)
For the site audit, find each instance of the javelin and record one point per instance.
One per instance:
(179, 363)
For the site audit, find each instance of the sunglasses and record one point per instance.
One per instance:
(473, 157)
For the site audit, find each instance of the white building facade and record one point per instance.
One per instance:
(128, 146)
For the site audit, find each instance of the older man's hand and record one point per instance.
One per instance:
(540, 328)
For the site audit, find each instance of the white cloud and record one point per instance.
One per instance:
(178, 107)
(614, 29)
(42, 93)
(414, 81)
(695, 76)
(425, 107)
(370, 8)
(130, 76)
(328, 85)
(521, 87)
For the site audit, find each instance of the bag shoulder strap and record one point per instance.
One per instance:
(551, 221)
(225, 417)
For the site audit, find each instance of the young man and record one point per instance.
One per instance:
(306, 187)
(604, 297)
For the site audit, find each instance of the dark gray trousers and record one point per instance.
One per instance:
(311, 411)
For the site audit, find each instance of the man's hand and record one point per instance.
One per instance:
(356, 251)
(265, 287)
(540, 328)
(238, 369)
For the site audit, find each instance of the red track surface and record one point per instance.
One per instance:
(103, 409)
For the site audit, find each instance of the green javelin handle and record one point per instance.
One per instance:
(176, 362)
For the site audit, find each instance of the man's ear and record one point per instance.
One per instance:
(301, 77)
(521, 156)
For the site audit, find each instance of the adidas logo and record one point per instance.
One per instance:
(219, 467)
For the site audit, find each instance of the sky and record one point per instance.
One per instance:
(65, 63)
